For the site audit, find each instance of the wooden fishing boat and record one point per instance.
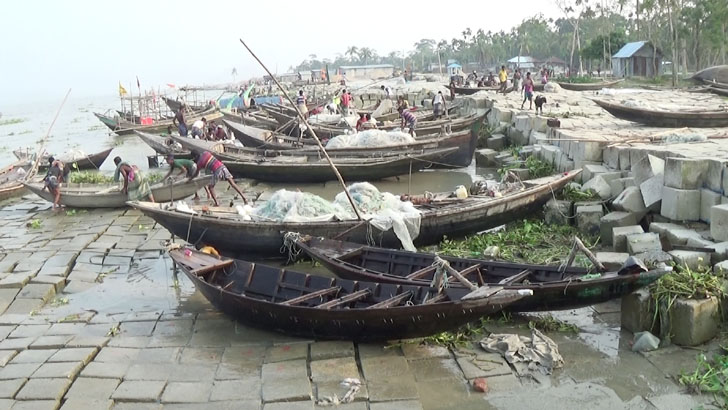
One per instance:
(313, 168)
(311, 306)
(588, 86)
(552, 289)
(11, 181)
(175, 105)
(672, 119)
(473, 90)
(229, 232)
(123, 127)
(92, 161)
(717, 73)
(164, 145)
(464, 137)
(110, 196)
(719, 91)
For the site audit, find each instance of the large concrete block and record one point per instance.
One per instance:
(685, 173)
(588, 219)
(587, 151)
(549, 153)
(610, 156)
(599, 186)
(646, 168)
(720, 253)
(719, 223)
(624, 163)
(557, 212)
(485, 158)
(612, 260)
(496, 142)
(590, 171)
(708, 199)
(620, 184)
(630, 200)
(714, 174)
(643, 242)
(721, 267)
(635, 312)
(619, 236)
(680, 204)
(691, 259)
(681, 235)
(613, 220)
(694, 321)
(661, 228)
(651, 190)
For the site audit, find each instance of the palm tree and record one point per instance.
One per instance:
(366, 53)
(351, 52)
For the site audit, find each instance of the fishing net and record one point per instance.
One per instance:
(370, 138)
(293, 206)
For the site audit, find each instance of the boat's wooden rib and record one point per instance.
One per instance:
(330, 308)
(672, 119)
(588, 86)
(110, 196)
(552, 289)
(455, 218)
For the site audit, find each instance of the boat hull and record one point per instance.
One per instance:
(588, 86)
(670, 119)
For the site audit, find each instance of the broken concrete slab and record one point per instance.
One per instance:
(619, 236)
(685, 173)
(643, 242)
(599, 186)
(646, 168)
(651, 191)
(630, 200)
(680, 204)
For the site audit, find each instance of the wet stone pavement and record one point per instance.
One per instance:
(93, 317)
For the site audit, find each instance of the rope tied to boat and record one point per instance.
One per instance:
(354, 386)
(439, 278)
(289, 246)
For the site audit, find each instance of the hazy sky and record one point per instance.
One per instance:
(49, 46)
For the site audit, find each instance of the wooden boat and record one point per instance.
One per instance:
(311, 306)
(464, 137)
(719, 91)
(715, 84)
(123, 127)
(588, 86)
(11, 181)
(672, 119)
(717, 73)
(552, 289)
(228, 232)
(162, 146)
(110, 196)
(175, 105)
(92, 161)
(473, 90)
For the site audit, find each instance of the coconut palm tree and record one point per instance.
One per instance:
(351, 52)
(365, 54)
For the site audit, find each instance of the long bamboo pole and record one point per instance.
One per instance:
(313, 133)
(38, 156)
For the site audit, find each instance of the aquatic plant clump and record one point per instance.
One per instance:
(90, 177)
(709, 376)
(11, 121)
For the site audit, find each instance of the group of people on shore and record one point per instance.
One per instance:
(524, 85)
(201, 129)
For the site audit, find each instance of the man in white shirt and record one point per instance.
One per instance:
(438, 104)
(198, 128)
(387, 91)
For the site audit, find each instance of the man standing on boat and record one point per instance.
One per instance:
(387, 91)
(135, 185)
(438, 105)
(179, 121)
(56, 175)
(217, 170)
(408, 119)
(198, 128)
(301, 103)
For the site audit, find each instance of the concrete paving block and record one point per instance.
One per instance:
(691, 259)
(685, 173)
(610, 156)
(187, 392)
(105, 370)
(646, 168)
(29, 331)
(630, 200)
(34, 356)
(8, 388)
(587, 151)
(651, 191)
(680, 204)
(286, 352)
(18, 371)
(612, 260)
(83, 355)
(661, 228)
(36, 405)
(6, 356)
(93, 388)
(681, 235)
(624, 158)
(485, 158)
(50, 342)
(708, 199)
(619, 236)
(294, 389)
(331, 349)
(87, 404)
(694, 322)
(66, 370)
(719, 222)
(635, 314)
(245, 389)
(139, 391)
(590, 171)
(558, 212)
(16, 280)
(24, 306)
(654, 258)
(612, 220)
(41, 291)
(588, 219)
(58, 282)
(44, 389)
(714, 174)
(599, 186)
(643, 242)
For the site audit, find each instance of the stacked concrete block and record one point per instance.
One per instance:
(646, 167)
(694, 321)
(719, 222)
(610, 157)
(651, 190)
(624, 163)
(613, 261)
(496, 142)
(708, 199)
(586, 151)
(537, 138)
(630, 200)
(691, 259)
(685, 173)
(590, 171)
(680, 204)
(557, 212)
(635, 311)
(720, 253)
(714, 174)
(643, 242)
(681, 235)
(620, 234)
(503, 159)
(550, 152)
(485, 157)
(598, 185)
(613, 220)
(620, 184)
(588, 219)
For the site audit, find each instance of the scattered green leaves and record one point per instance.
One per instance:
(571, 193)
(90, 177)
(35, 224)
(115, 330)
(459, 337)
(536, 168)
(59, 302)
(548, 323)
(710, 376)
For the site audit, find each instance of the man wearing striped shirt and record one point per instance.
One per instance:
(409, 119)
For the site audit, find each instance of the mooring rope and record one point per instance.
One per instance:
(439, 278)
(289, 246)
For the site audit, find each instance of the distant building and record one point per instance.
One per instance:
(521, 62)
(640, 58)
(454, 69)
(372, 72)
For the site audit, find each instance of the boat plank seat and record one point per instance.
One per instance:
(201, 265)
(393, 301)
(465, 272)
(312, 295)
(518, 277)
(422, 272)
(435, 299)
(352, 297)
